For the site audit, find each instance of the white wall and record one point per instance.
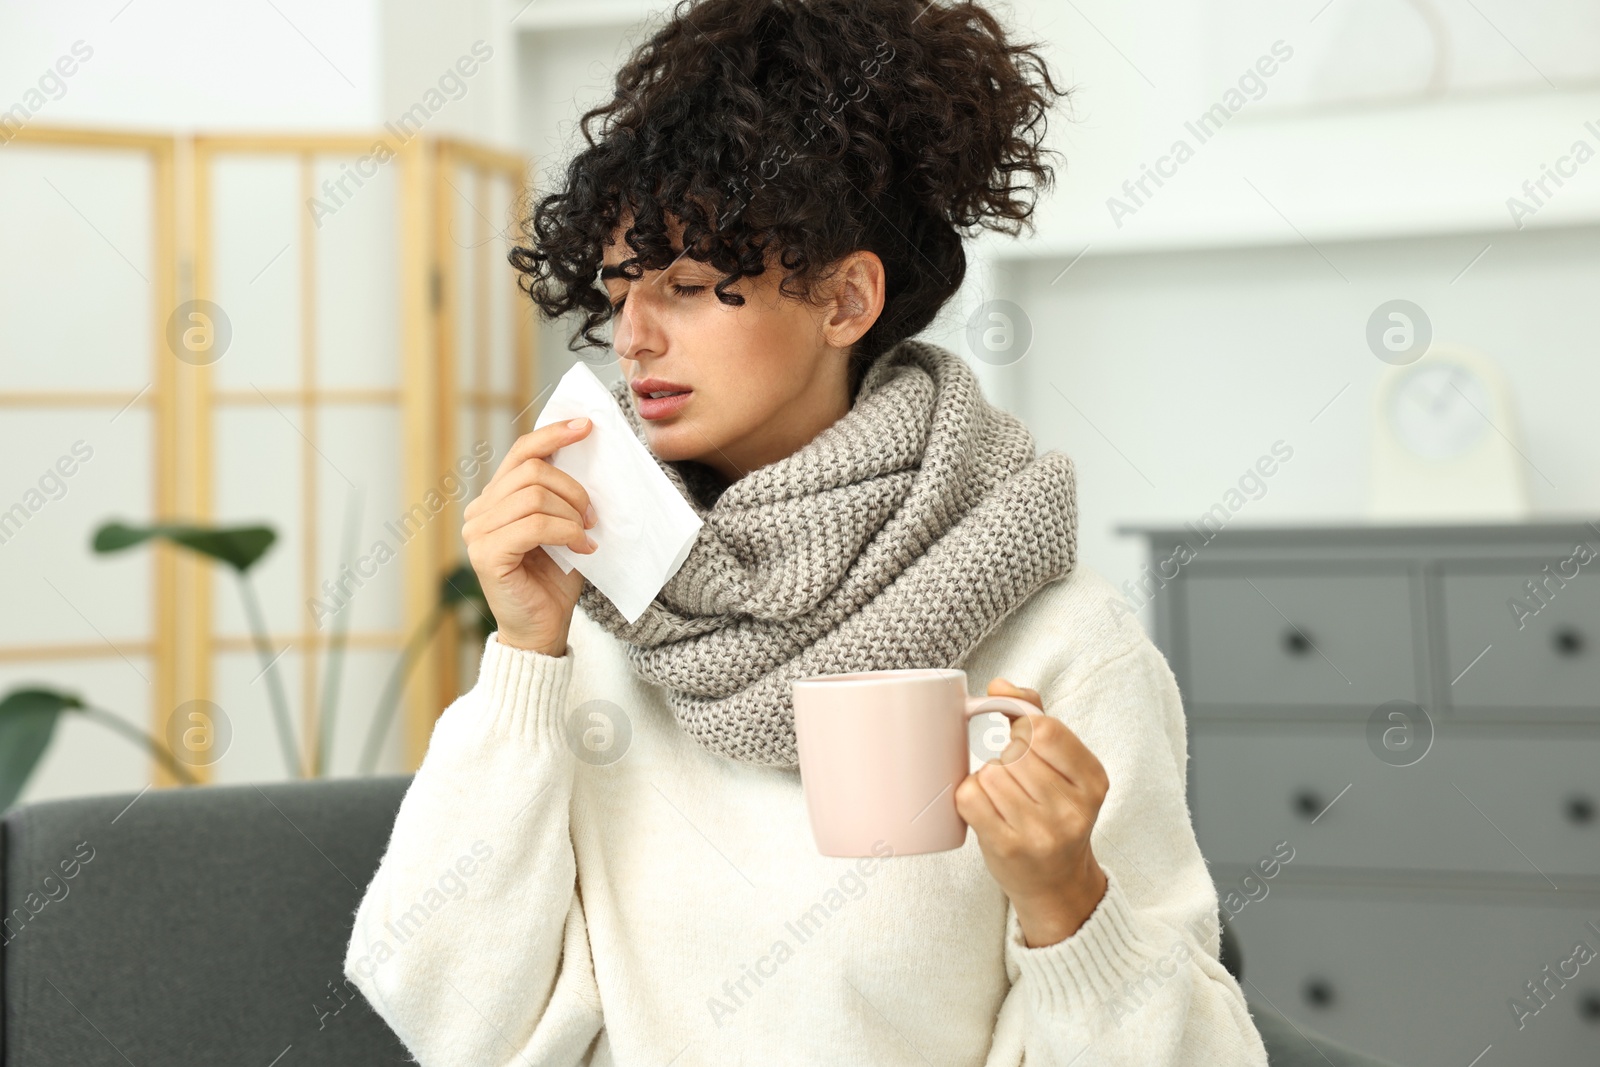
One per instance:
(74, 234)
(422, 41)
(177, 63)
(563, 73)
(1184, 367)
(333, 65)
(1209, 325)
(1189, 340)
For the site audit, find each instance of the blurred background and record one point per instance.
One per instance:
(1311, 308)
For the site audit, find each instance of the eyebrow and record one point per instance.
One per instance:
(614, 270)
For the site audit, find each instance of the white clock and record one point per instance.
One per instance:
(1445, 442)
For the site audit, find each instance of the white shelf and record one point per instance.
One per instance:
(1366, 173)
(547, 15)
(1352, 173)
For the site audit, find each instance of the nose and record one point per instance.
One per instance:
(636, 329)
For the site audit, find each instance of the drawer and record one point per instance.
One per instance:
(1426, 982)
(1328, 638)
(1541, 655)
(1477, 801)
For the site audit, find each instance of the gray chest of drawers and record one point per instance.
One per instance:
(1415, 713)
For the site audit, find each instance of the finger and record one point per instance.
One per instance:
(1030, 772)
(976, 807)
(1055, 742)
(529, 500)
(1065, 810)
(1050, 798)
(1010, 800)
(1002, 687)
(540, 443)
(516, 539)
(1052, 791)
(531, 472)
(1020, 738)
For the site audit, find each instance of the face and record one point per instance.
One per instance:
(758, 381)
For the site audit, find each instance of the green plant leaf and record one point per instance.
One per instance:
(238, 546)
(27, 722)
(461, 586)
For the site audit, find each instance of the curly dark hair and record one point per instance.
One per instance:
(803, 129)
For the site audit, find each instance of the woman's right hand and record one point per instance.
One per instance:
(526, 504)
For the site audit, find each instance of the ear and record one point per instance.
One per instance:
(856, 300)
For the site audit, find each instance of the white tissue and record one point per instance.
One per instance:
(644, 528)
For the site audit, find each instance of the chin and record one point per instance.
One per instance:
(674, 443)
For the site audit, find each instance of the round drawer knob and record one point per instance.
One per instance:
(1318, 992)
(1589, 1006)
(1580, 809)
(1295, 641)
(1306, 803)
(1568, 641)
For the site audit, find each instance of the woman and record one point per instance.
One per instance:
(773, 211)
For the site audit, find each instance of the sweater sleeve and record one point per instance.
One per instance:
(470, 941)
(1139, 983)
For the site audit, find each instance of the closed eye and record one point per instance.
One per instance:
(678, 290)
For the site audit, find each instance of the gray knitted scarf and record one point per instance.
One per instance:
(899, 537)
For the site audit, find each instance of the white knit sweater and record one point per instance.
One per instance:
(671, 907)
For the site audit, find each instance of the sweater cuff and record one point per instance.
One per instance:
(524, 694)
(1083, 973)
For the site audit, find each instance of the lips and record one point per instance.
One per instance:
(645, 386)
(670, 398)
(661, 407)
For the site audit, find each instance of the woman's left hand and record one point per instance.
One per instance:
(1033, 810)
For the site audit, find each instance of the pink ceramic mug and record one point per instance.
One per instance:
(881, 755)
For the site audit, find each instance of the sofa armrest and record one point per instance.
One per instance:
(197, 925)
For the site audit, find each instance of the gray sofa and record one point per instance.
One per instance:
(208, 926)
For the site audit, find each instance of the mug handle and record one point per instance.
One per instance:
(1011, 707)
